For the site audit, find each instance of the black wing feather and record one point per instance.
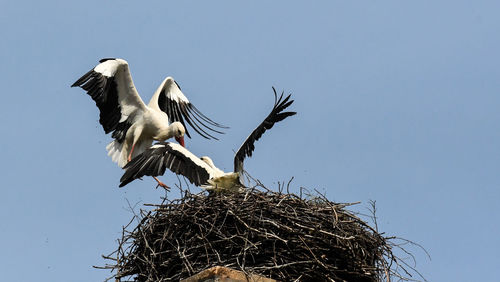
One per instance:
(275, 116)
(155, 160)
(186, 112)
(103, 90)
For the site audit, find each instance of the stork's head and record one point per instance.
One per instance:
(208, 161)
(178, 132)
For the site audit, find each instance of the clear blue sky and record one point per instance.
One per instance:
(397, 101)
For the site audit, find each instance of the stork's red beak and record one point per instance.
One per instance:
(180, 140)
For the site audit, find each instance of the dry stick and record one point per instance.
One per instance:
(312, 253)
(282, 265)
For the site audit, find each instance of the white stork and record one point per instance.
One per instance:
(202, 171)
(134, 124)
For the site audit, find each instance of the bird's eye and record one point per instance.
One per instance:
(178, 132)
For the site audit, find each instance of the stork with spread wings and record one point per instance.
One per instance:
(202, 171)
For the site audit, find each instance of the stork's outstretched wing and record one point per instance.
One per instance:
(155, 160)
(111, 87)
(275, 116)
(170, 99)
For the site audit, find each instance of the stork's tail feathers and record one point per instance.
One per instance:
(117, 152)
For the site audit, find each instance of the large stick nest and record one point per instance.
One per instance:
(278, 235)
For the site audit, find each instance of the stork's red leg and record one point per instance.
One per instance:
(131, 151)
(161, 183)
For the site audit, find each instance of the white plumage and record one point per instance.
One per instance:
(202, 171)
(134, 125)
